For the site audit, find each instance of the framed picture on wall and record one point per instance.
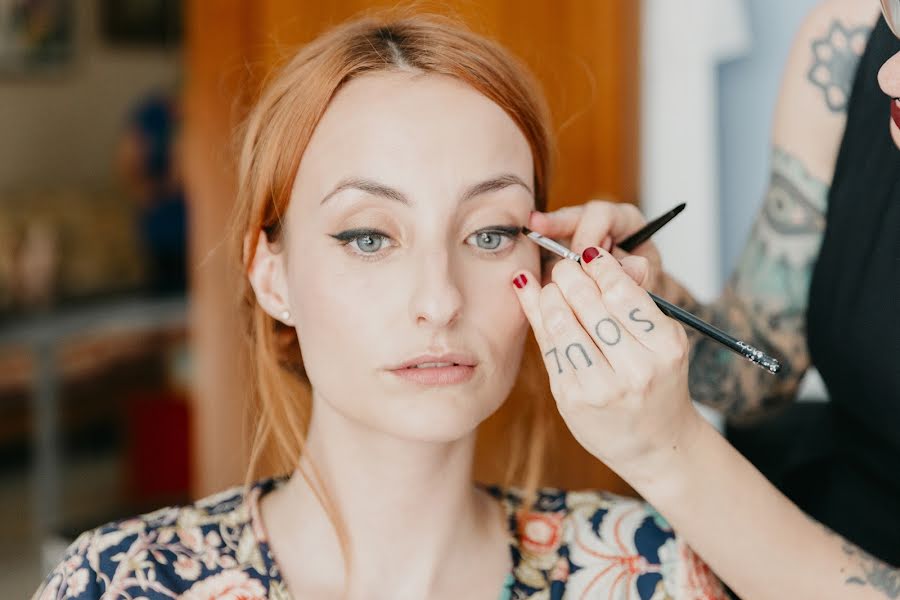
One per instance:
(141, 22)
(35, 35)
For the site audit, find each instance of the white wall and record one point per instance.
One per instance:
(61, 129)
(682, 45)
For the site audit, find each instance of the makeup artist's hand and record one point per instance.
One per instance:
(600, 223)
(618, 367)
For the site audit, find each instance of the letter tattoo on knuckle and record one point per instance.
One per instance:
(649, 326)
(555, 354)
(610, 334)
(584, 353)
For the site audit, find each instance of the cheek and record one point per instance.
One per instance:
(494, 310)
(339, 319)
(490, 289)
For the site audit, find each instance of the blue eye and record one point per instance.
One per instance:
(366, 241)
(494, 238)
(369, 243)
(489, 240)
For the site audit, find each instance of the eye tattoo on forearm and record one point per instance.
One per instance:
(584, 353)
(613, 337)
(650, 325)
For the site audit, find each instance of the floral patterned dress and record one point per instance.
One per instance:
(568, 545)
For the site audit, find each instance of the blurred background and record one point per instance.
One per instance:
(120, 380)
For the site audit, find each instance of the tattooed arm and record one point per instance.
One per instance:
(766, 298)
(764, 302)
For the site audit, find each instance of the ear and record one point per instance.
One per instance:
(268, 277)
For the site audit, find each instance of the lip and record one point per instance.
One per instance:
(460, 358)
(436, 376)
(895, 111)
(462, 371)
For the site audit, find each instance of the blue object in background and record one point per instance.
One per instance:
(162, 221)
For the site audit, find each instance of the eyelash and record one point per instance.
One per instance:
(351, 235)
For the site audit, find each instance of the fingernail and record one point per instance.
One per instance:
(589, 254)
(520, 281)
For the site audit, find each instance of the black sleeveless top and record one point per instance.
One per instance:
(854, 320)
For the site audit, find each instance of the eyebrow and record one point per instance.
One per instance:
(379, 189)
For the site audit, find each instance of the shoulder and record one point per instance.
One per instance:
(590, 541)
(171, 551)
(811, 110)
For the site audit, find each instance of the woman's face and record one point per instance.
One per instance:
(889, 79)
(396, 248)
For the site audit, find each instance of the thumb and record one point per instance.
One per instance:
(637, 267)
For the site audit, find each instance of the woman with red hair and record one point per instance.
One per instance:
(385, 176)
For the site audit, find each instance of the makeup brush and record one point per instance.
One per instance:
(746, 350)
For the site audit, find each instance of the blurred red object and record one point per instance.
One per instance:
(158, 449)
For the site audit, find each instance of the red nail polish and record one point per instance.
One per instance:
(520, 281)
(589, 254)
(895, 111)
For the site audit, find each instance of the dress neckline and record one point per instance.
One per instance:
(508, 502)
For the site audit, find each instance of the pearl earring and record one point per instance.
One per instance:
(285, 315)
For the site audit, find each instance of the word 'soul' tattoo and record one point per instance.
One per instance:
(607, 330)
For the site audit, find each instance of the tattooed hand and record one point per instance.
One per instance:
(600, 223)
(617, 365)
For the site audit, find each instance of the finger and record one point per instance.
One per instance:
(605, 219)
(637, 267)
(528, 291)
(628, 303)
(648, 250)
(560, 223)
(643, 266)
(572, 353)
(623, 352)
(561, 366)
(618, 253)
(591, 221)
(631, 220)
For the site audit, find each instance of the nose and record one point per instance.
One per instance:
(889, 76)
(437, 299)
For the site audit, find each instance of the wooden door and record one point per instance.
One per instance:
(584, 53)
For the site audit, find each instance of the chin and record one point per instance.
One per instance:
(435, 414)
(441, 418)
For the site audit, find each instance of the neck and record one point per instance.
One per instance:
(410, 508)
